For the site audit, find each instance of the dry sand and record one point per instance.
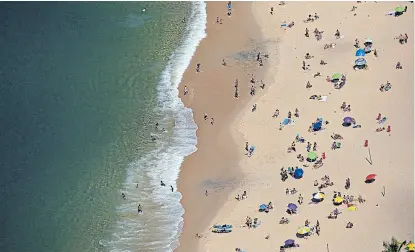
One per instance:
(392, 154)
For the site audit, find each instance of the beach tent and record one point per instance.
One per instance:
(311, 157)
(360, 52)
(336, 76)
(303, 230)
(338, 200)
(298, 173)
(292, 206)
(318, 197)
(360, 62)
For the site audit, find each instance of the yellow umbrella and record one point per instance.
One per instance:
(410, 246)
(303, 230)
(352, 208)
(338, 200)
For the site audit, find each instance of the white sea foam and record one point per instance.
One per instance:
(159, 227)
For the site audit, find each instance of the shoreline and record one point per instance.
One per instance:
(219, 181)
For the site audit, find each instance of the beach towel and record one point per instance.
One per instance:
(382, 120)
(323, 98)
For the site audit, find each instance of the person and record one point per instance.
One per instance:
(323, 62)
(276, 113)
(206, 193)
(198, 67)
(139, 210)
(253, 107)
(262, 84)
(185, 90)
(123, 196)
(300, 199)
(172, 189)
(212, 121)
(162, 183)
(398, 65)
(306, 32)
(289, 114)
(343, 106)
(356, 43)
(205, 116)
(246, 146)
(308, 85)
(375, 53)
(296, 114)
(306, 223)
(223, 62)
(337, 34)
(272, 11)
(405, 38)
(349, 225)
(315, 183)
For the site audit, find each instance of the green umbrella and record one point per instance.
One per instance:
(312, 156)
(336, 76)
(400, 8)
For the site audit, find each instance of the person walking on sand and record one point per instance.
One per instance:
(315, 146)
(212, 121)
(206, 193)
(223, 62)
(296, 114)
(205, 116)
(276, 113)
(300, 199)
(306, 33)
(246, 146)
(198, 67)
(185, 90)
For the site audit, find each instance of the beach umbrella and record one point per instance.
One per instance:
(289, 242)
(311, 157)
(317, 126)
(338, 200)
(292, 206)
(352, 208)
(360, 52)
(303, 230)
(319, 196)
(298, 173)
(410, 246)
(348, 120)
(286, 121)
(336, 76)
(360, 62)
(400, 9)
(370, 178)
(263, 207)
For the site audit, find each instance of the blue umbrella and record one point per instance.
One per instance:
(317, 126)
(360, 62)
(289, 242)
(292, 206)
(360, 52)
(298, 173)
(286, 121)
(262, 207)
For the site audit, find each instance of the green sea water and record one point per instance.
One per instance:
(78, 87)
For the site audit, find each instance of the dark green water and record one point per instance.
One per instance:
(77, 90)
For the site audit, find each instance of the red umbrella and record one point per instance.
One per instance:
(370, 176)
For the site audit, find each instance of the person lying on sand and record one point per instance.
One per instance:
(308, 85)
(276, 113)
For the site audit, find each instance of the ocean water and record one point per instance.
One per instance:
(82, 86)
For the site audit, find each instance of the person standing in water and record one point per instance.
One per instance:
(139, 210)
(172, 189)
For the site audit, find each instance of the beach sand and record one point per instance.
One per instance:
(221, 167)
